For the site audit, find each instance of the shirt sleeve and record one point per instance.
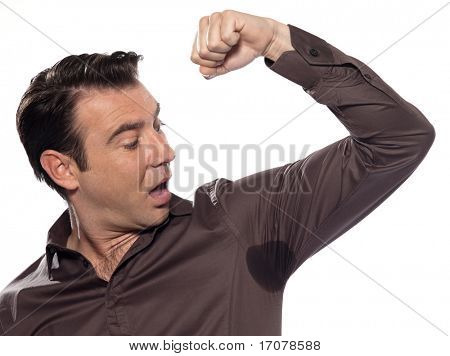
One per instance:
(284, 215)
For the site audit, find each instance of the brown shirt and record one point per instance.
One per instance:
(219, 266)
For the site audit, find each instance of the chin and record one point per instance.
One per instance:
(161, 214)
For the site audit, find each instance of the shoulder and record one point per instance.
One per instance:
(9, 297)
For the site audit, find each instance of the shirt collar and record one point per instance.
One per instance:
(60, 230)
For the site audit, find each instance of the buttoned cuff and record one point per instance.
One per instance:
(306, 64)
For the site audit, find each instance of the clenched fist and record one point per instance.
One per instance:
(229, 40)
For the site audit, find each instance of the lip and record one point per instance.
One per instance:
(162, 196)
(165, 179)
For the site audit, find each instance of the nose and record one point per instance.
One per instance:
(159, 152)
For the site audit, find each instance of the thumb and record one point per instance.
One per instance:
(209, 73)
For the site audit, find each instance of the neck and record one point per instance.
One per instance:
(100, 244)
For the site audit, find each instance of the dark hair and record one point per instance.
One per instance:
(45, 117)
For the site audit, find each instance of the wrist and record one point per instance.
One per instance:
(281, 41)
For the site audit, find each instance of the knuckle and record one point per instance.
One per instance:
(203, 52)
(214, 15)
(227, 37)
(227, 12)
(213, 45)
(194, 58)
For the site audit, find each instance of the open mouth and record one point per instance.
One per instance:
(160, 187)
(160, 194)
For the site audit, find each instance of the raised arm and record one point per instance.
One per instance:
(284, 215)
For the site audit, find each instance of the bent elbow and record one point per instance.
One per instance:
(429, 136)
(426, 139)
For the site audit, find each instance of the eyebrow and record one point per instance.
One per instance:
(134, 125)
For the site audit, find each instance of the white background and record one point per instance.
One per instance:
(390, 283)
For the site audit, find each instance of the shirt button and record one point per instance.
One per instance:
(85, 263)
(51, 250)
(313, 52)
(368, 76)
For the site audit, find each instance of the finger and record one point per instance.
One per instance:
(213, 72)
(202, 62)
(202, 49)
(194, 53)
(230, 29)
(214, 41)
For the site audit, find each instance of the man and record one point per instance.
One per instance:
(128, 257)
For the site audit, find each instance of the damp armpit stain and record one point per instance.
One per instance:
(271, 264)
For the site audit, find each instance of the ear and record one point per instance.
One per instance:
(60, 168)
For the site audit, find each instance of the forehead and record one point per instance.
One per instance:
(98, 112)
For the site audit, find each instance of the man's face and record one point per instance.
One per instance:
(125, 165)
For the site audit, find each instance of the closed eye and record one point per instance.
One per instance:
(133, 145)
